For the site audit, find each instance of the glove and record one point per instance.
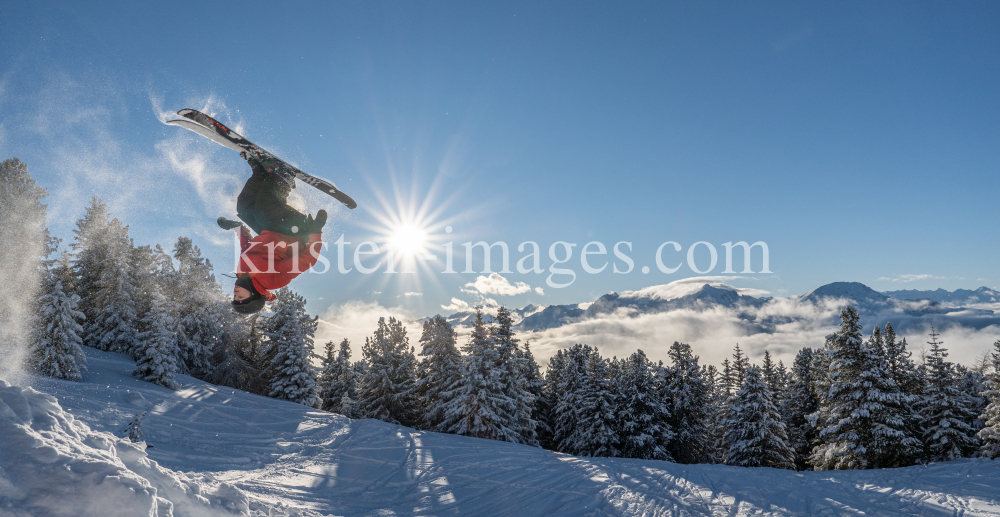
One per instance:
(315, 224)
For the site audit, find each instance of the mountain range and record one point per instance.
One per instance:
(904, 308)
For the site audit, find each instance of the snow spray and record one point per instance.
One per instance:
(22, 224)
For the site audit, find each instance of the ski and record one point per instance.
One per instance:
(216, 131)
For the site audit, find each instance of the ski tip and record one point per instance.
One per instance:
(345, 199)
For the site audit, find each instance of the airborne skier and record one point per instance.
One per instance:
(275, 256)
(287, 242)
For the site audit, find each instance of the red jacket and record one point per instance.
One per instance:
(290, 259)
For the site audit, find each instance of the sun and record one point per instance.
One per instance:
(408, 239)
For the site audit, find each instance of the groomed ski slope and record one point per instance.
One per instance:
(288, 459)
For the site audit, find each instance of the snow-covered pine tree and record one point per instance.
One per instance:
(900, 365)
(535, 384)
(156, 351)
(972, 384)
(242, 360)
(568, 402)
(90, 249)
(290, 332)
(864, 416)
(546, 404)
(739, 368)
(686, 393)
(114, 325)
(480, 403)
(439, 373)
(347, 381)
(755, 433)
(336, 379)
(725, 381)
(642, 417)
(596, 433)
(821, 370)
(718, 409)
(26, 243)
(328, 372)
(769, 370)
(990, 433)
(784, 377)
(511, 370)
(387, 389)
(199, 296)
(348, 403)
(56, 350)
(800, 402)
(944, 413)
(892, 440)
(134, 428)
(152, 270)
(62, 271)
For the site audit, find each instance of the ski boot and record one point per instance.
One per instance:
(228, 224)
(272, 165)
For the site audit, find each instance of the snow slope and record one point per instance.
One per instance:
(51, 464)
(286, 457)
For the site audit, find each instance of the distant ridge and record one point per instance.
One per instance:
(962, 296)
(907, 307)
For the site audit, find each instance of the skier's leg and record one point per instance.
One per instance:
(246, 204)
(263, 203)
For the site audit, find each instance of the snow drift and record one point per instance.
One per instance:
(52, 464)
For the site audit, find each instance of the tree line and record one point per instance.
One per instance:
(855, 403)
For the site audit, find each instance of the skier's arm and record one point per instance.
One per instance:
(245, 238)
(313, 249)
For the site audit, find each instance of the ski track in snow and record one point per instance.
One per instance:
(318, 463)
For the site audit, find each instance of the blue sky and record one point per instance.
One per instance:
(859, 140)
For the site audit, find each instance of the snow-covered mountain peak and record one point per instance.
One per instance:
(856, 291)
(678, 289)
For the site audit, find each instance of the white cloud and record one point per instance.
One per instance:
(457, 305)
(358, 320)
(713, 332)
(686, 286)
(496, 284)
(540, 291)
(410, 294)
(910, 278)
(487, 305)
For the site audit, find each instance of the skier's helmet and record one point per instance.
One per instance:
(249, 305)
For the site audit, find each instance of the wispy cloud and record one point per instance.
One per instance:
(910, 278)
(496, 284)
(457, 305)
(487, 305)
(686, 286)
(77, 128)
(358, 320)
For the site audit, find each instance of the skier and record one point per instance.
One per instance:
(273, 258)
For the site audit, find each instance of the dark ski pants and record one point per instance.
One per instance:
(262, 205)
